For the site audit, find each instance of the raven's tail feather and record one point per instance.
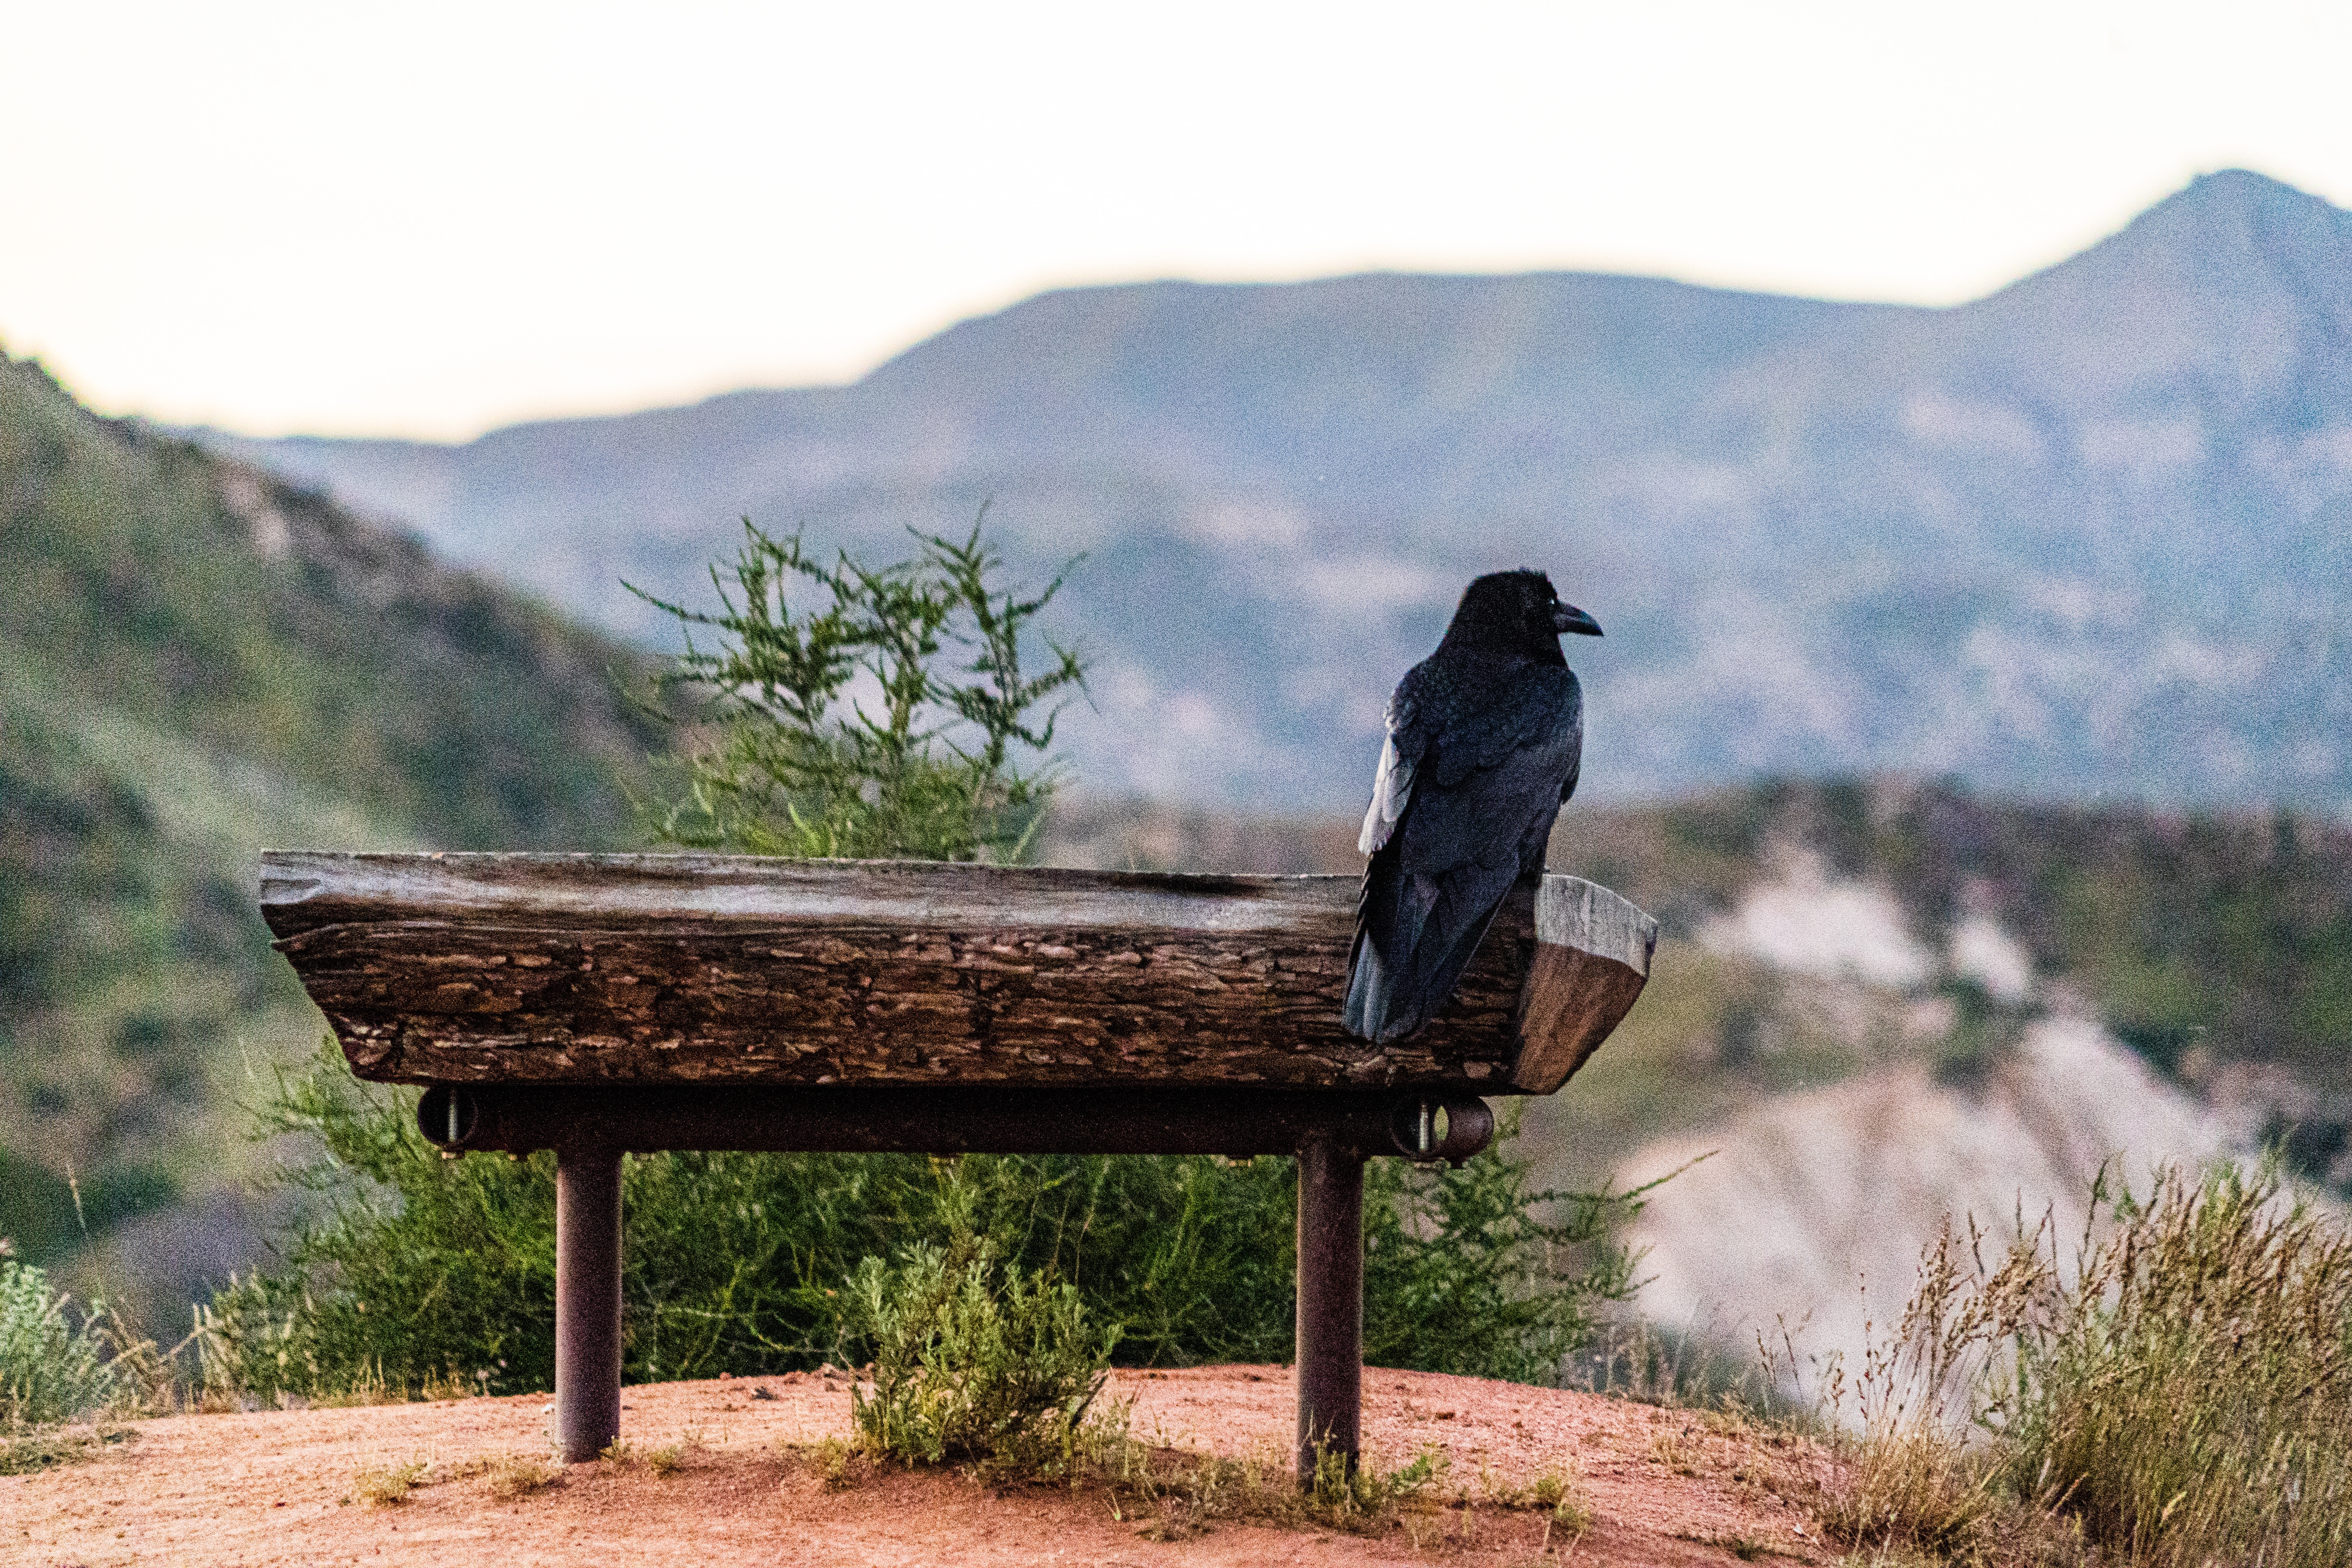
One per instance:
(1415, 937)
(1437, 965)
(1381, 918)
(1393, 986)
(1366, 1008)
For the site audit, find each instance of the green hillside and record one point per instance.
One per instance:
(198, 660)
(2218, 946)
(2200, 938)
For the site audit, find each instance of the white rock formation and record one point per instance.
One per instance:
(1807, 923)
(1807, 1196)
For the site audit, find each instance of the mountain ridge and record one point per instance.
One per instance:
(2087, 535)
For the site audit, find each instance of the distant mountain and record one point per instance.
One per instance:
(196, 661)
(2090, 535)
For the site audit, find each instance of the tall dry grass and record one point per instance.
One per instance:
(2187, 1395)
(2177, 1394)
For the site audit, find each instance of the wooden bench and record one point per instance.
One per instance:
(595, 1004)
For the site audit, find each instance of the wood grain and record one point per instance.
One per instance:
(713, 969)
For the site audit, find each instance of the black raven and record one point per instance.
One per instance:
(1484, 738)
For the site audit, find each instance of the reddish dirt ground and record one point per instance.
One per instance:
(274, 1486)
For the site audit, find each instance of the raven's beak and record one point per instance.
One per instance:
(1568, 618)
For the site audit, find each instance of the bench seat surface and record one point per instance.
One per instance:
(702, 969)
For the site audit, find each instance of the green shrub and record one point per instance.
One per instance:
(52, 1368)
(790, 760)
(1463, 1273)
(413, 1269)
(971, 1361)
(1191, 1257)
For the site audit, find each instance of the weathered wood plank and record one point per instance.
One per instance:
(1592, 958)
(714, 969)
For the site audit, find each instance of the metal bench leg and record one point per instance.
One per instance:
(587, 1301)
(1330, 1304)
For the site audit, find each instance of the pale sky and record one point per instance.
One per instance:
(432, 218)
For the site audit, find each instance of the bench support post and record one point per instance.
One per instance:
(1330, 1369)
(587, 1301)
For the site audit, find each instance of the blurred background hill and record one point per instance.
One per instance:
(198, 660)
(1976, 710)
(2089, 536)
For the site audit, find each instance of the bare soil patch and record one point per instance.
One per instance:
(1663, 1487)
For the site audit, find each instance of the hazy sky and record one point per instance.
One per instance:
(431, 219)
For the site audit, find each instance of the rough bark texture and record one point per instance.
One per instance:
(707, 969)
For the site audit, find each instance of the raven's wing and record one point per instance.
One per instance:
(1400, 751)
(1467, 843)
(1477, 817)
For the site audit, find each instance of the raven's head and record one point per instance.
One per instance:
(1517, 612)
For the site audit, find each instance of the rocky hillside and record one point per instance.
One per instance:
(1879, 1003)
(2088, 537)
(198, 659)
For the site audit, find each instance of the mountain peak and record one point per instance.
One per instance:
(2232, 295)
(2236, 188)
(2232, 232)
